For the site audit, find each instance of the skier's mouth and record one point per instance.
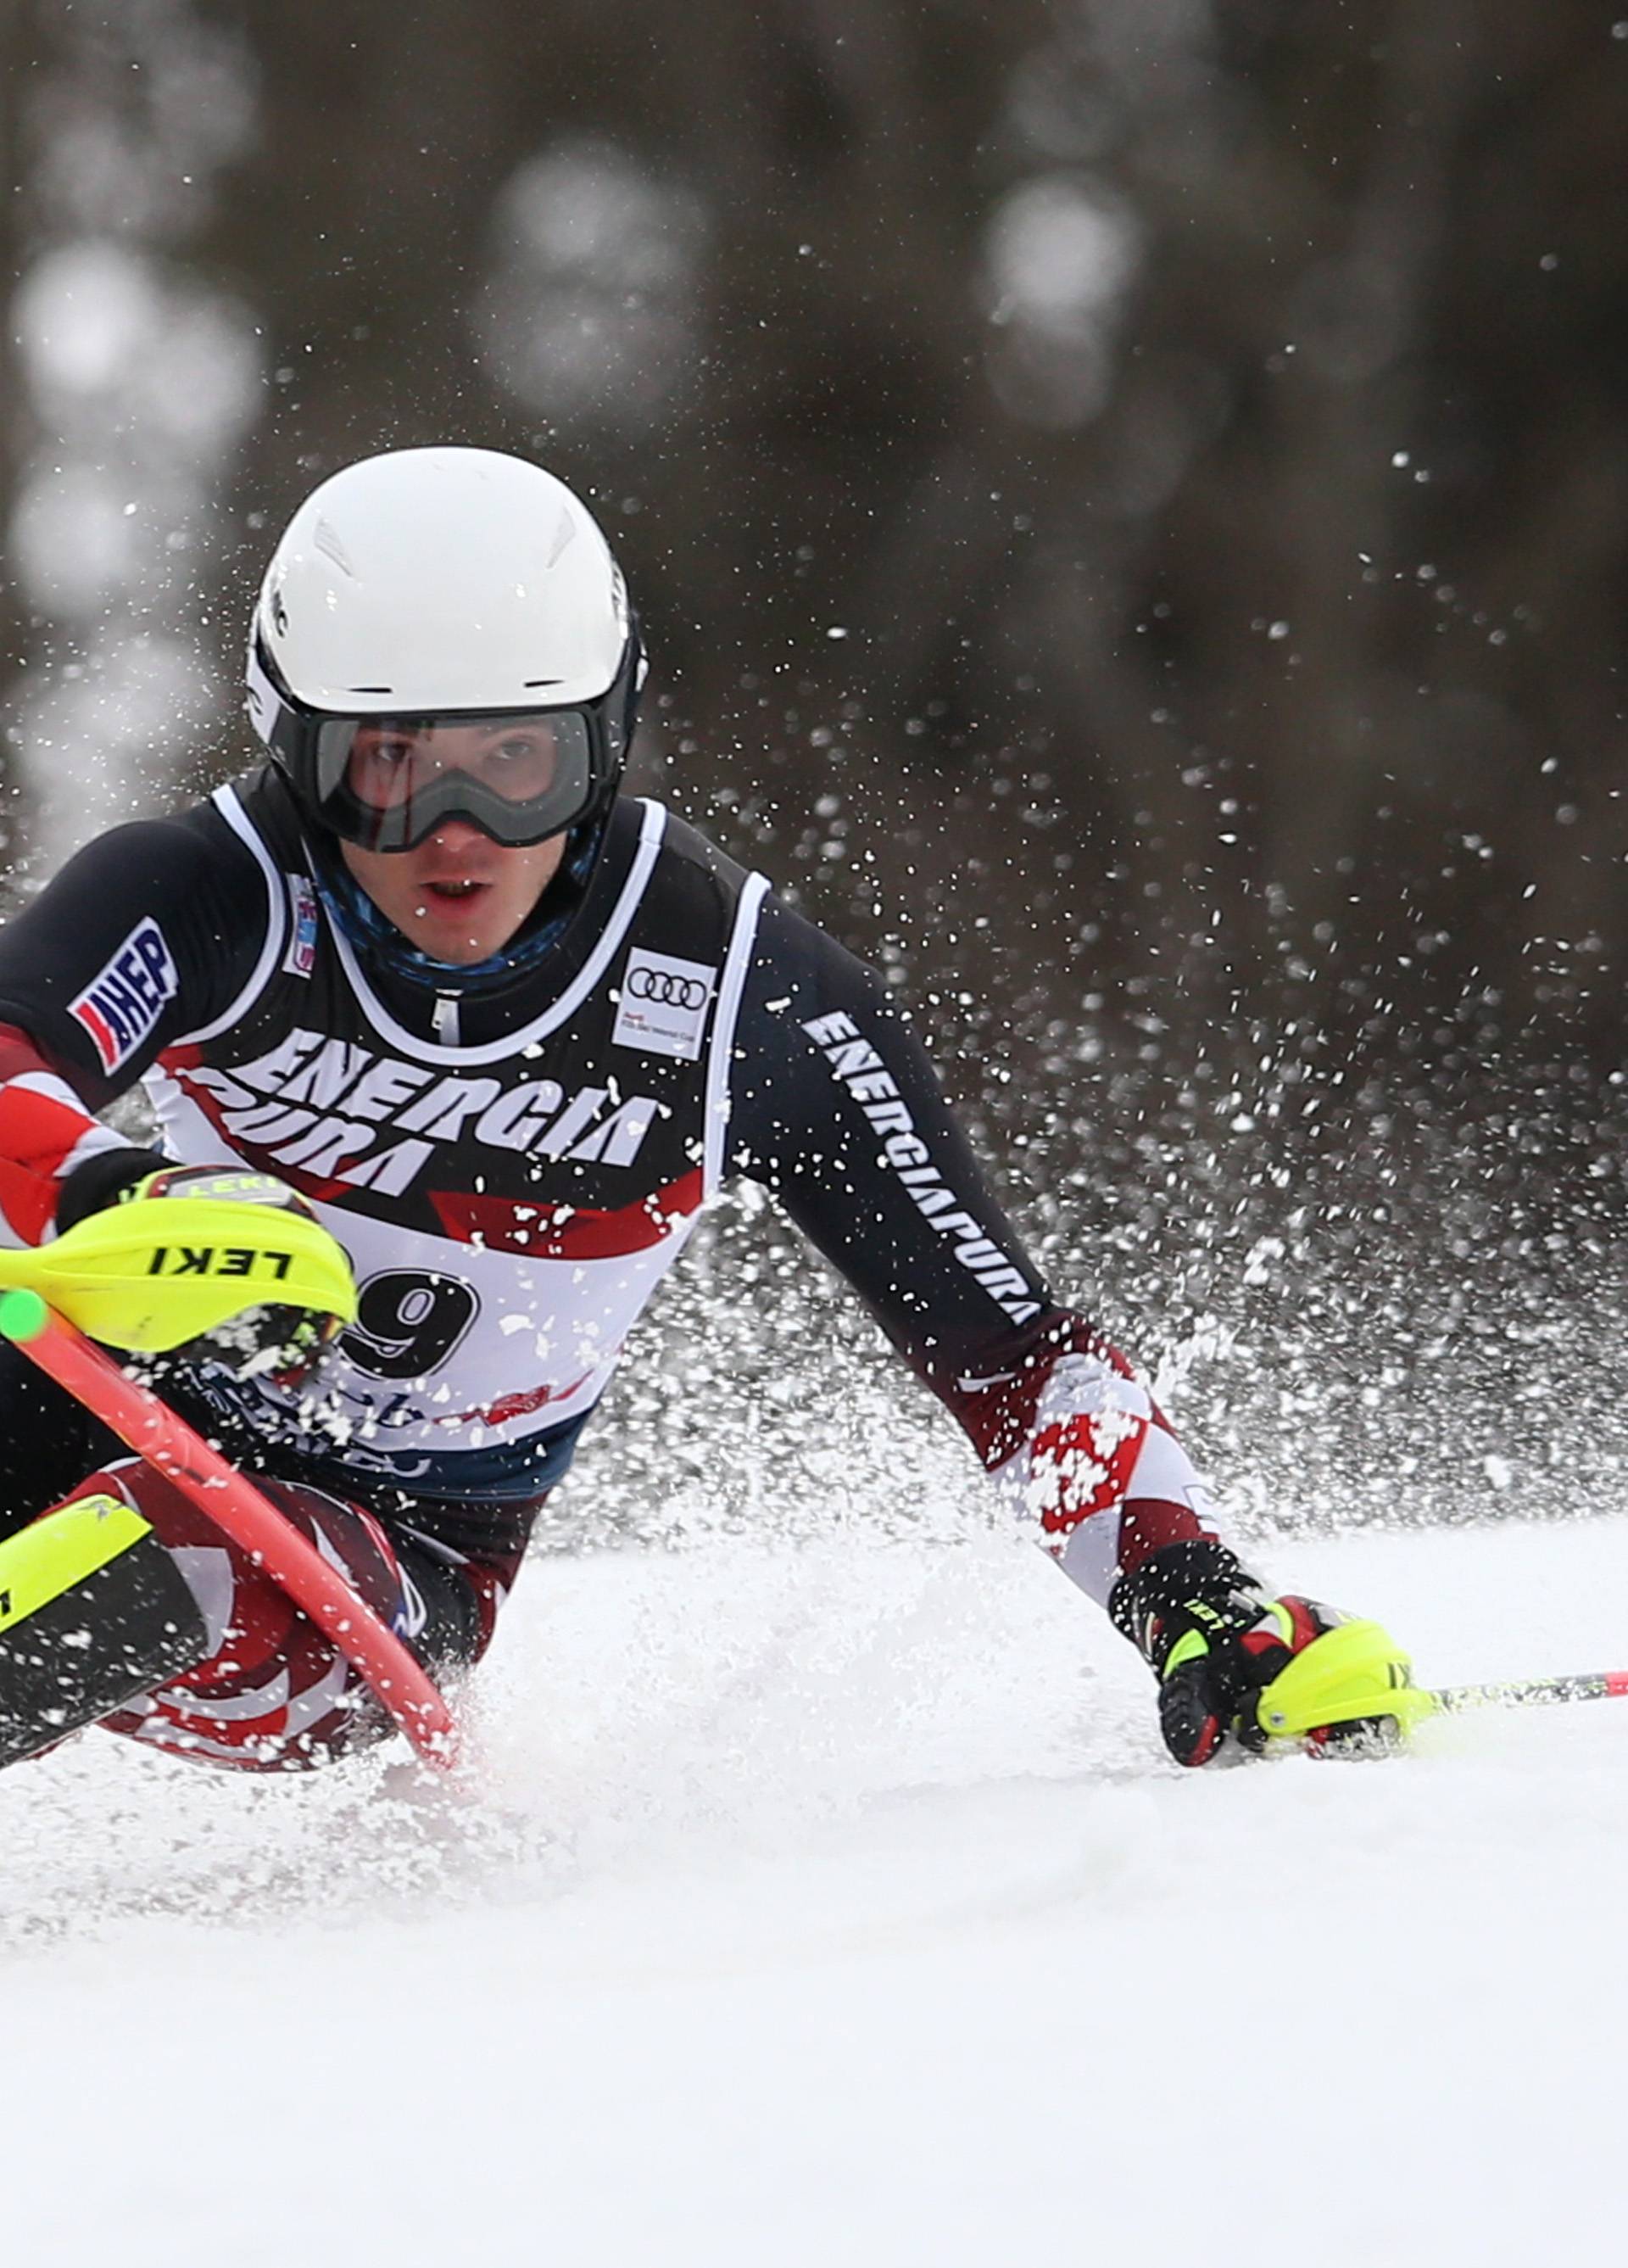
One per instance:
(453, 893)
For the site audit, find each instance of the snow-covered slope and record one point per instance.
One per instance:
(835, 1902)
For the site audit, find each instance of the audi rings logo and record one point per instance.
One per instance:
(664, 1004)
(671, 991)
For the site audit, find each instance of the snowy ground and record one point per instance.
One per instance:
(836, 1902)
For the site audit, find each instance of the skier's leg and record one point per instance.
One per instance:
(274, 1694)
(95, 1568)
(48, 1441)
(93, 1611)
(128, 1606)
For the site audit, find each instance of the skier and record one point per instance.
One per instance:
(428, 976)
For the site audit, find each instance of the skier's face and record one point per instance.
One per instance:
(459, 896)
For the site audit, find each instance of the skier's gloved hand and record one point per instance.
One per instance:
(103, 1180)
(281, 1344)
(270, 1340)
(1216, 1639)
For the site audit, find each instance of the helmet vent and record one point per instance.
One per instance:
(563, 533)
(328, 544)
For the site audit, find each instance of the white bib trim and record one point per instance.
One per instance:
(720, 1063)
(225, 801)
(652, 828)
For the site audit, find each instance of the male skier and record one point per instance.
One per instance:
(503, 1031)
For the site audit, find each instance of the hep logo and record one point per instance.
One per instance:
(124, 1001)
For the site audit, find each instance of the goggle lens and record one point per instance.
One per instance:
(387, 782)
(517, 758)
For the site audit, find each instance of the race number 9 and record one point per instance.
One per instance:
(408, 1321)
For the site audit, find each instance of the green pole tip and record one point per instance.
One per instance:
(23, 1315)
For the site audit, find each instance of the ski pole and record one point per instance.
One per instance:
(240, 1512)
(1533, 1692)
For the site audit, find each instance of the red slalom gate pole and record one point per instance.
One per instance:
(240, 1512)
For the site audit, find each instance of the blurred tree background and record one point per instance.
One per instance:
(1127, 499)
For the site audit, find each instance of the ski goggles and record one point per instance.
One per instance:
(385, 783)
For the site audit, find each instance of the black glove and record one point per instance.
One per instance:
(281, 1344)
(103, 1180)
(1215, 1639)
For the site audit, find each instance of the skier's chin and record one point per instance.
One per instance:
(461, 923)
(457, 898)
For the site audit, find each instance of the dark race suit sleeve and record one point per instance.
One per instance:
(149, 932)
(836, 1109)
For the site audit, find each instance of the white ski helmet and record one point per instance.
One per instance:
(444, 632)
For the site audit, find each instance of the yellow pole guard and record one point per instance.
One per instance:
(1353, 1671)
(157, 1271)
(42, 1561)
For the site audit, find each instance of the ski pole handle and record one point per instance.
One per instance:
(240, 1512)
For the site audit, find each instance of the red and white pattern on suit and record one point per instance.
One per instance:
(45, 1133)
(1079, 1451)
